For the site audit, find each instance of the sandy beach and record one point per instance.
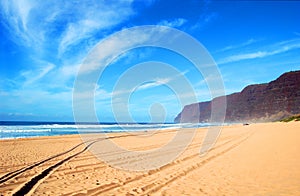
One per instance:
(259, 159)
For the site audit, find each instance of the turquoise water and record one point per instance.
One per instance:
(10, 129)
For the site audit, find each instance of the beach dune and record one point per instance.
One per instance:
(259, 159)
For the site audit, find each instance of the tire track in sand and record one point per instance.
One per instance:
(159, 184)
(32, 183)
(151, 177)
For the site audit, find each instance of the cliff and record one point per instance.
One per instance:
(258, 103)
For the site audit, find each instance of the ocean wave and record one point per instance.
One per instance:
(56, 127)
(87, 126)
(23, 130)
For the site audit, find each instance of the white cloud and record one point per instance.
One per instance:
(114, 46)
(103, 96)
(160, 81)
(277, 48)
(33, 76)
(62, 23)
(97, 18)
(69, 70)
(178, 22)
(240, 57)
(204, 19)
(57, 27)
(231, 47)
(16, 14)
(157, 82)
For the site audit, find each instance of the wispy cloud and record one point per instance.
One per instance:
(277, 48)
(204, 19)
(161, 81)
(51, 30)
(89, 22)
(112, 47)
(16, 14)
(231, 47)
(104, 97)
(157, 82)
(33, 76)
(178, 22)
(65, 23)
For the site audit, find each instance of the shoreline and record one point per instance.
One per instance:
(139, 131)
(15, 130)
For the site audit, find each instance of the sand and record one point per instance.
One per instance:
(259, 159)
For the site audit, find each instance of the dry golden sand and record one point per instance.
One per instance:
(259, 159)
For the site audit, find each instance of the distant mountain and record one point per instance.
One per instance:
(271, 101)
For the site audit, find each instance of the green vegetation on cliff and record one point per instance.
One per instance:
(291, 118)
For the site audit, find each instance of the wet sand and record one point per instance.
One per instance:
(259, 159)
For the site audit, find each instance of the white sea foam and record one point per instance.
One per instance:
(22, 131)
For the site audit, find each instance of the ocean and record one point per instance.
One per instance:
(26, 129)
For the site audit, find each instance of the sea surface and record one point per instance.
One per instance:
(13, 129)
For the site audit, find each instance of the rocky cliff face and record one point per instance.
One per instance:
(260, 102)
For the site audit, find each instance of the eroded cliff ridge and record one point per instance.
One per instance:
(255, 103)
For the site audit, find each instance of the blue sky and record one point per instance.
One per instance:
(43, 44)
